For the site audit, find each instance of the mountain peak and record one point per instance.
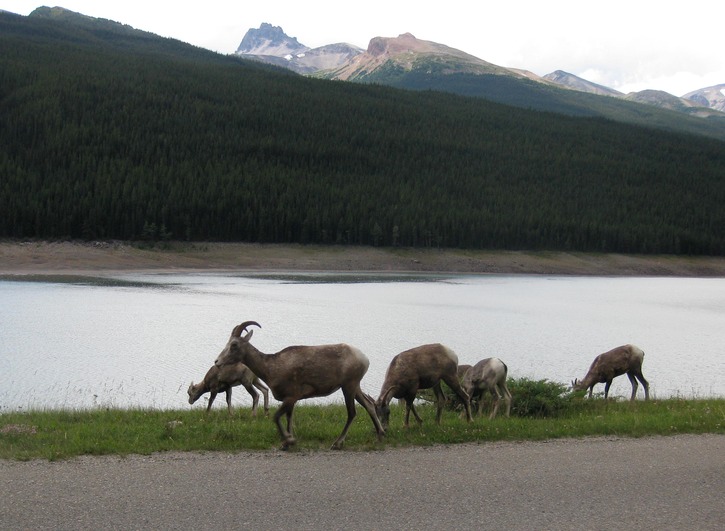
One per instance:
(404, 43)
(406, 53)
(712, 97)
(570, 81)
(270, 40)
(272, 45)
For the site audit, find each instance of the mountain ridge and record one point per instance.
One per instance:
(398, 53)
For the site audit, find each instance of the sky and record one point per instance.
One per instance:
(627, 45)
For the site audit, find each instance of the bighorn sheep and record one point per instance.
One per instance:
(489, 374)
(626, 359)
(420, 368)
(462, 369)
(218, 379)
(300, 372)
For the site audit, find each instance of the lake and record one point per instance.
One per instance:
(137, 340)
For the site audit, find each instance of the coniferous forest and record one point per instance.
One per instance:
(108, 132)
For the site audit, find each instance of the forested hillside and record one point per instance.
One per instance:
(112, 133)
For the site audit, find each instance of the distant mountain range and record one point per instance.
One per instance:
(392, 60)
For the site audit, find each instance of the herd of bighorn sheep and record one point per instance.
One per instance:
(300, 372)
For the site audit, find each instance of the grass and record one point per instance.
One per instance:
(54, 435)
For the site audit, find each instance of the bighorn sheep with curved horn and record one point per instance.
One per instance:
(218, 379)
(488, 374)
(421, 367)
(300, 372)
(626, 359)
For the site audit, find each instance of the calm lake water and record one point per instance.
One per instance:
(138, 340)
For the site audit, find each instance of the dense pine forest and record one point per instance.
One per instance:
(108, 132)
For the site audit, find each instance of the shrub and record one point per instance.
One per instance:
(538, 398)
(530, 398)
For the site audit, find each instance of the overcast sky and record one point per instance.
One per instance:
(628, 45)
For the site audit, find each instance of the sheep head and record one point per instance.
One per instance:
(382, 410)
(237, 344)
(194, 392)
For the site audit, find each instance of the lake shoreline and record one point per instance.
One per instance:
(21, 258)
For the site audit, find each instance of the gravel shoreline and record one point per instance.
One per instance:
(104, 257)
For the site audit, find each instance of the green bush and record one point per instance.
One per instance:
(538, 398)
(530, 398)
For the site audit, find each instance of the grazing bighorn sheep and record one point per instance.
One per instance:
(218, 379)
(462, 369)
(489, 374)
(420, 368)
(300, 372)
(626, 359)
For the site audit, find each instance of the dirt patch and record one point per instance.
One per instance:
(87, 258)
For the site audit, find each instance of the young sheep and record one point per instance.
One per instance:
(300, 372)
(488, 374)
(420, 368)
(221, 379)
(626, 359)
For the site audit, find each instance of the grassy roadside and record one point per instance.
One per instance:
(56, 435)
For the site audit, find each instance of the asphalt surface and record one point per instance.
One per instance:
(658, 483)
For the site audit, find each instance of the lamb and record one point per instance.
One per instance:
(606, 367)
(488, 374)
(221, 379)
(421, 367)
(300, 372)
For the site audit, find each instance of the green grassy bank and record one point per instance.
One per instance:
(63, 434)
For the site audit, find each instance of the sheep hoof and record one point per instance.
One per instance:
(288, 442)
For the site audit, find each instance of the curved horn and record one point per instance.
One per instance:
(237, 332)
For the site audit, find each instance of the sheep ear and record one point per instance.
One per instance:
(248, 336)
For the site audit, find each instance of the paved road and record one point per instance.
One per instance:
(652, 483)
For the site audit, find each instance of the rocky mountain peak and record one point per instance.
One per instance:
(271, 44)
(712, 97)
(270, 40)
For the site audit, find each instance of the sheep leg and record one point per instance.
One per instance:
(286, 408)
(606, 388)
(369, 405)
(496, 400)
(229, 400)
(265, 393)
(408, 408)
(479, 405)
(351, 412)
(506, 398)
(440, 401)
(645, 383)
(255, 398)
(212, 396)
(455, 384)
(634, 383)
